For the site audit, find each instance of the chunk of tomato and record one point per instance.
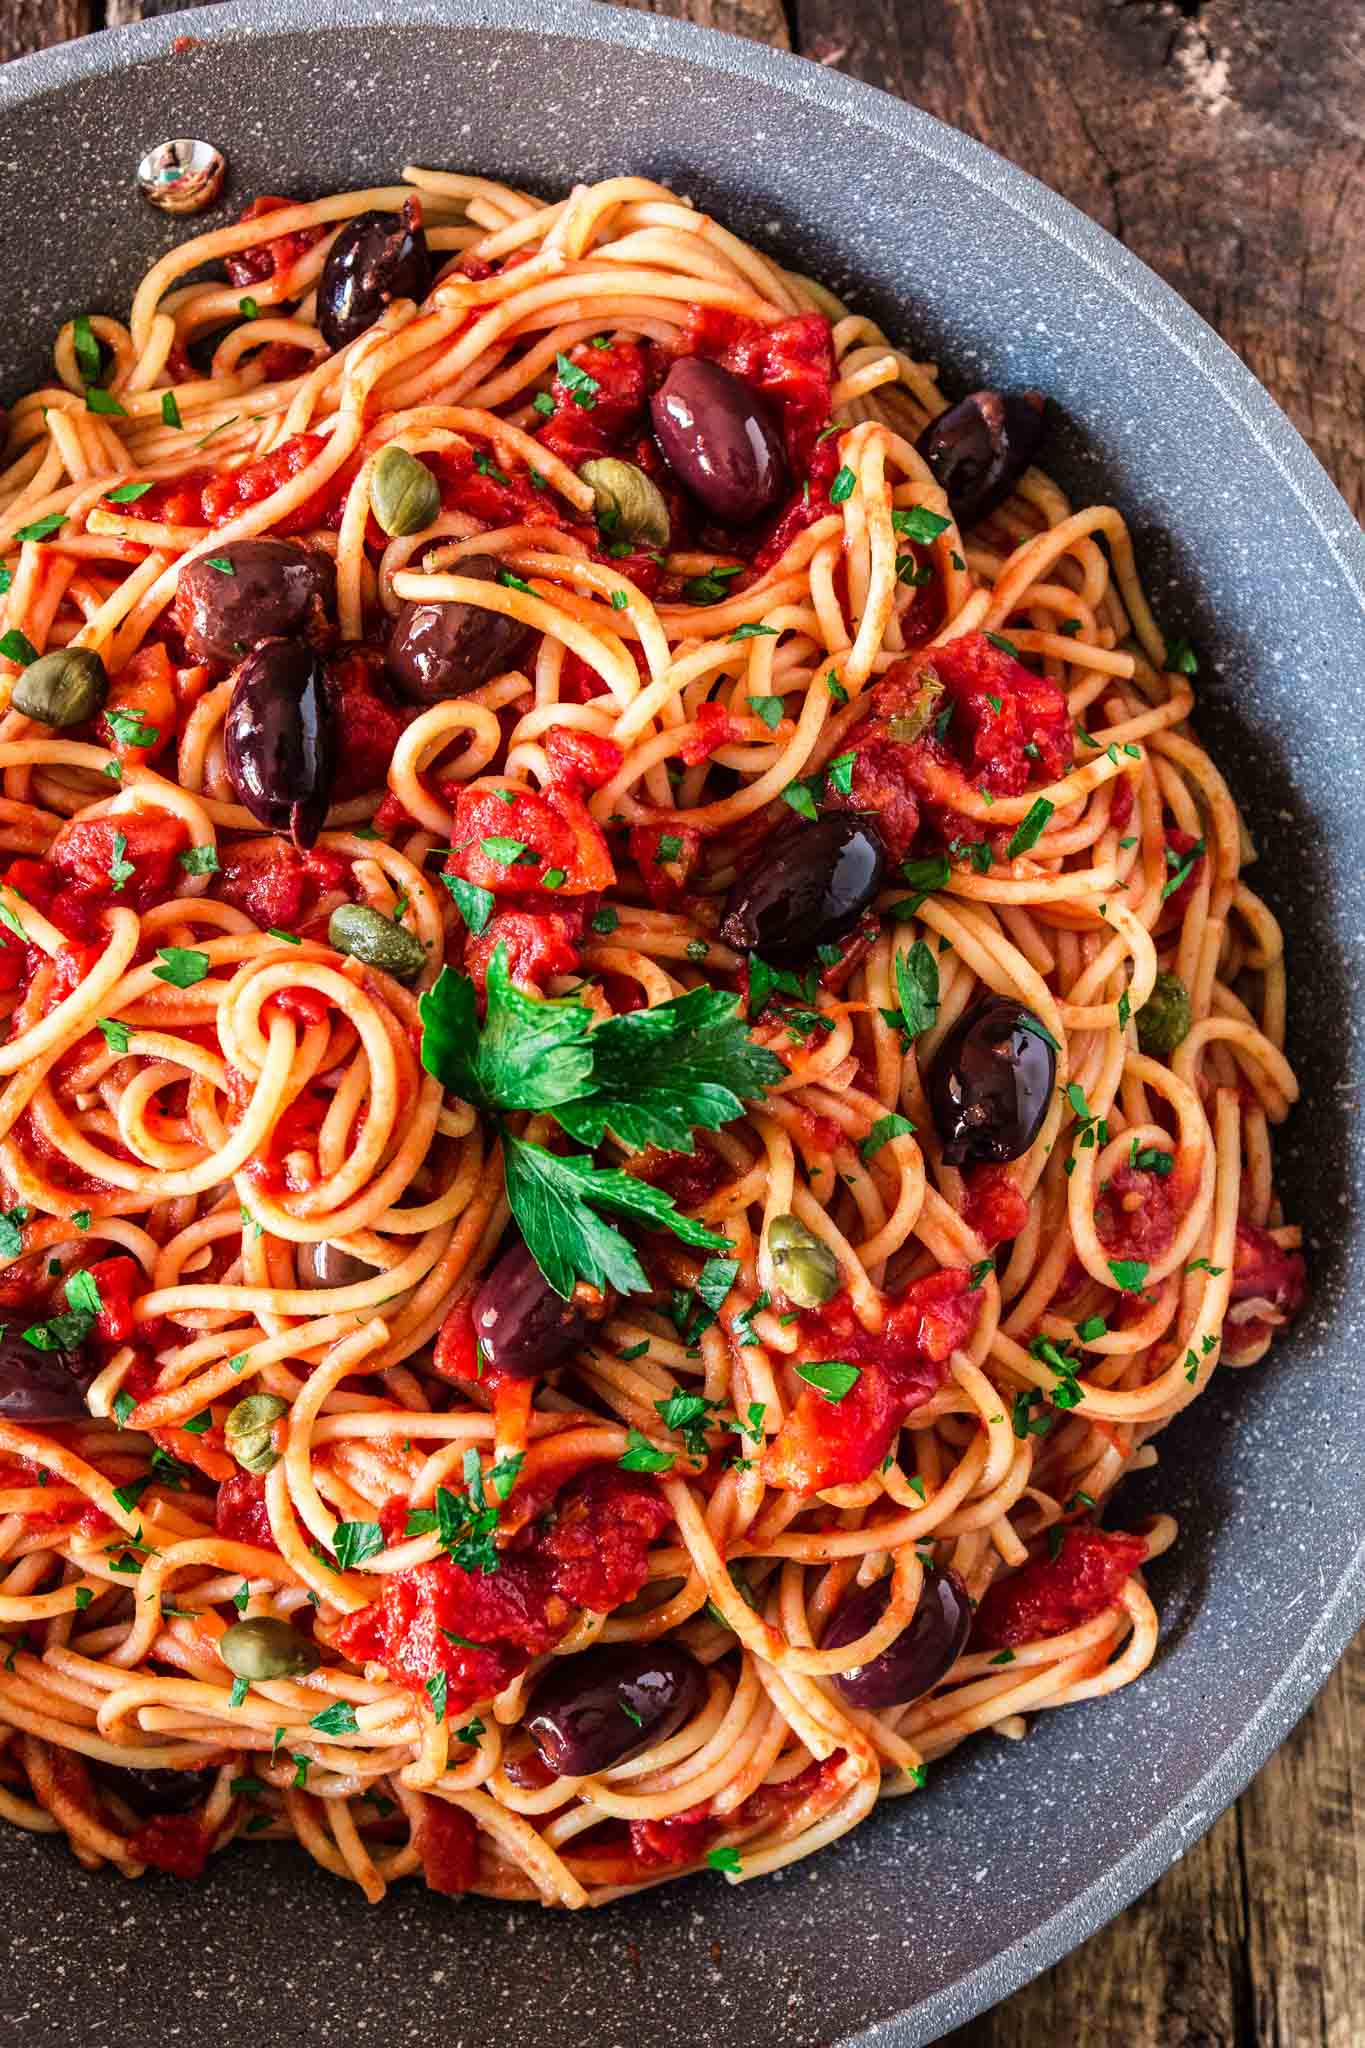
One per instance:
(826, 1443)
(536, 833)
(1050, 1595)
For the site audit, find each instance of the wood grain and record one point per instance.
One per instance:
(1222, 141)
(35, 24)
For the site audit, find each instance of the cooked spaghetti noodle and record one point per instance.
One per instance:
(232, 1168)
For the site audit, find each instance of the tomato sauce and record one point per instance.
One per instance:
(680, 1839)
(539, 943)
(261, 261)
(448, 1844)
(274, 884)
(241, 1514)
(1048, 1596)
(988, 724)
(173, 1842)
(227, 494)
(666, 856)
(1264, 1273)
(790, 362)
(826, 1443)
(994, 1207)
(509, 848)
(593, 1550)
(591, 421)
(368, 725)
(1139, 1211)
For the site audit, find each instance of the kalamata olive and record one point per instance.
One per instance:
(152, 1792)
(446, 650)
(721, 439)
(809, 885)
(803, 1265)
(265, 1647)
(404, 495)
(590, 1711)
(368, 935)
(978, 450)
(913, 1663)
(1165, 1018)
(247, 591)
(629, 505)
(377, 257)
(41, 1386)
(249, 1428)
(327, 1265)
(62, 688)
(990, 1083)
(522, 1326)
(280, 739)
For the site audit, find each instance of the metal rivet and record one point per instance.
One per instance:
(182, 176)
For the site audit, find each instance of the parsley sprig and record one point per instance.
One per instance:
(653, 1077)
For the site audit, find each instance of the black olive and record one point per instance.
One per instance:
(809, 885)
(268, 588)
(590, 1711)
(978, 450)
(280, 739)
(990, 1083)
(445, 650)
(42, 1386)
(327, 1265)
(522, 1326)
(377, 257)
(721, 439)
(153, 1792)
(913, 1662)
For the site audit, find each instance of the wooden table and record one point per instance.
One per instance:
(1222, 143)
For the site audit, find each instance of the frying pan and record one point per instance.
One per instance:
(943, 1903)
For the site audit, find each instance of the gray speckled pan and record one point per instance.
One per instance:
(941, 1904)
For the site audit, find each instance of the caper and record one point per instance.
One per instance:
(62, 688)
(913, 724)
(629, 505)
(266, 1648)
(248, 1431)
(805, 1267)
(404, 495)
(369, 936)
(1164, 1018)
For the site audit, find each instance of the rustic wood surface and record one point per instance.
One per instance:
(1224, 144)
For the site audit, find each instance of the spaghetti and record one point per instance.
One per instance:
(768, 1468)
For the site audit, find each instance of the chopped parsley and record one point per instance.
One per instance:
(917, 986)
(338, 1719)
(131, 729)
(1030, 829)
(916, 522)
(182, 966)
(832, 1378)
(1129, 1274)
(882, 1131)
(582, 388)
(355, 1541)
(640, 1455)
